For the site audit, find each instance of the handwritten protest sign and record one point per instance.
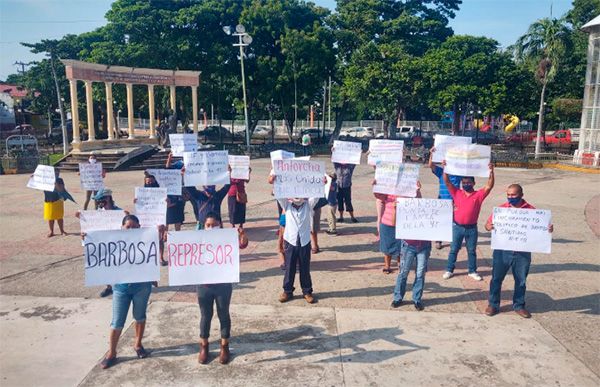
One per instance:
(151, 206)
(422, 219)
(346, 152)
(298, 179)
(100, 220)
(396, 179)
(43, 178)
(443, 142)
(203, 257)
(521, 229)
(281, 155)
(240, 167)
(385, 150)
(468, 160)
(90, 176)
(123, 256)
(183, 142)
(206, 168)
(169, 179)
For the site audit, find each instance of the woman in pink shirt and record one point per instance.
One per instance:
(388, 244)
(236, 202)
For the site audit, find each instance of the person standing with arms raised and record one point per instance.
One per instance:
(467, 206)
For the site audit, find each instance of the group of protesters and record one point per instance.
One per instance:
(299, 222)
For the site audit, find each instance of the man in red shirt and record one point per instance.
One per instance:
(467, 205)
(503, 260)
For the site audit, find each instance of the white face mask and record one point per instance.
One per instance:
(92, 160)
(298, 201)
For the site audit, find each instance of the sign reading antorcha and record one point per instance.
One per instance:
(118, 74)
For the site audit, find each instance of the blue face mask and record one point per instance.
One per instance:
(468, 187)
(514, 201)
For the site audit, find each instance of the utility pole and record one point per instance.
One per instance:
(22, 64)
(329, 106)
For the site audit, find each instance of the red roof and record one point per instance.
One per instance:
(13, 90)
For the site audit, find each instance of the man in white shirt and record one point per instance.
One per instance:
(298, 214)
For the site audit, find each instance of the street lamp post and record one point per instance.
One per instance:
(243, 40)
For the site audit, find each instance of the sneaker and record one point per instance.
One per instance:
(419, 306)
(309, 298)
(475, 276)
(331, 232)
(354, 220)
(396, 304)
(106, 292)
(341, 220)
(285, 297)
(447, 275)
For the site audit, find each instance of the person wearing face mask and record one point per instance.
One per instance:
(518, 261)
(344, 195)
(467, 205)
(208, 200)
(88, 194)
(296, 249)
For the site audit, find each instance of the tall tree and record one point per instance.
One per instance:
(542, 47)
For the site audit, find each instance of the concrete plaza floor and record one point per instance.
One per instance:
(53, 330)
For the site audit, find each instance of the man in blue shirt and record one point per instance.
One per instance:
(443, 193)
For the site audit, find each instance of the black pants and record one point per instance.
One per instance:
(295, 255)
(344, 195)
(207, 296)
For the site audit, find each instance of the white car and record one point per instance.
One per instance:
(261, 132)
(357, 132)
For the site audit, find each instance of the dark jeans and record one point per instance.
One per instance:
(501, 262)
(297, 256)
(344, 195)
(469, 234)
(207, 296)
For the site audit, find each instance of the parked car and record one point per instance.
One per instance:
(56, 137)
(560, 137)
(316, 135)
(406, 131)
(360, 132)
(483, 138)
(261, 132)
(520, 138)
(214, 133)
(20, 130)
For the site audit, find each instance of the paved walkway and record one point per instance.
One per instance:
(44, 277)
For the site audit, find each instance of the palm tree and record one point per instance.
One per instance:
(543, 45)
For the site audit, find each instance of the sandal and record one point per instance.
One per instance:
(107, 363)
(387, 270)
(141, 353)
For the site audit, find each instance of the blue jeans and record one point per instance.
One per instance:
(125, 294)
(409, 254)
(469, 234)
(519, 262)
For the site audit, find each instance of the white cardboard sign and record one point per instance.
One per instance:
(468, 160)
(203, 257)
(43, 178)
(281, 155)
(385, 150)
(123, 256)
(169, 179)
(346, 152)
(521, 229)
(298, 179)
(240, 167)
(90, 176)
(396, 179)
(151, 206)
(443, 142)
(206, 168)
(183, 142)
(424, 219)
(96, 220)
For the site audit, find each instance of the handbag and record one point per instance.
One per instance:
(241, 197)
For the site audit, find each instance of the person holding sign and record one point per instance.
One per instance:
(236, 201)
(467, 206)
(344, 196)
(89, 193)
(443, 192)
(219, 294)
(518, 261)
(208, 200)
(298, 213)
(54, 206)
(124, 295)
(388, 244)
